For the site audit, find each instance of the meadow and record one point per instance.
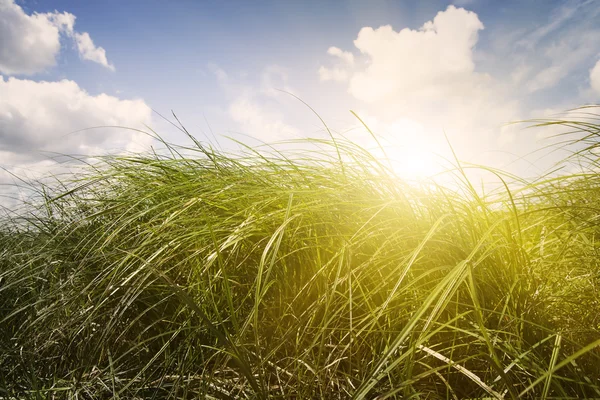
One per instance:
(195, 273)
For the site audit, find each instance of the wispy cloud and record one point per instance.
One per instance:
(558, 19)
(250, 106)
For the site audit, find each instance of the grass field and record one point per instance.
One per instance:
(294, 275)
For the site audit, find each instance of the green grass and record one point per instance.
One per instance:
(290, 274)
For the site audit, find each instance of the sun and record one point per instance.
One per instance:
(413, 164)
(411, 150)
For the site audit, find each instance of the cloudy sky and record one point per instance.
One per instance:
(413, 71)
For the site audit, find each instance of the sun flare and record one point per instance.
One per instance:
(411, 150)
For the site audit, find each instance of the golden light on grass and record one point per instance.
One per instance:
(282, 275)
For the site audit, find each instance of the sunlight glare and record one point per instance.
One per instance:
(410, 150)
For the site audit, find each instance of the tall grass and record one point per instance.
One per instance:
(273, 274)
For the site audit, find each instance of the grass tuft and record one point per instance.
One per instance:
(277, 274)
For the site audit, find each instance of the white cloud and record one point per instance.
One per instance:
(88, 51)
(259, 122)
(274, 79)
(547, 78)
(403, 63)
(595, 77)
(345, 56)
(255, 107)
(563, 57)
(63, 21)
(520, 72)
(40, 120)
(38, 117)
(31, 43)
(550, 53)
(558, 18)
(333, 74)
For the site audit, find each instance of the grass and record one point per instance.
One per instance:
(272, 274)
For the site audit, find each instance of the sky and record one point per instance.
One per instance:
(417, 72)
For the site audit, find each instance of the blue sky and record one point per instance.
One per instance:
(412, 70)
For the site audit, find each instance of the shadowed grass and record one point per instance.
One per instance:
(277, 274)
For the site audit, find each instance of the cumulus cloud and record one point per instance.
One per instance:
(440, 53)
(428, 72)
(595, 77)
(43, 120)
(31, 43)
(37, 117)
